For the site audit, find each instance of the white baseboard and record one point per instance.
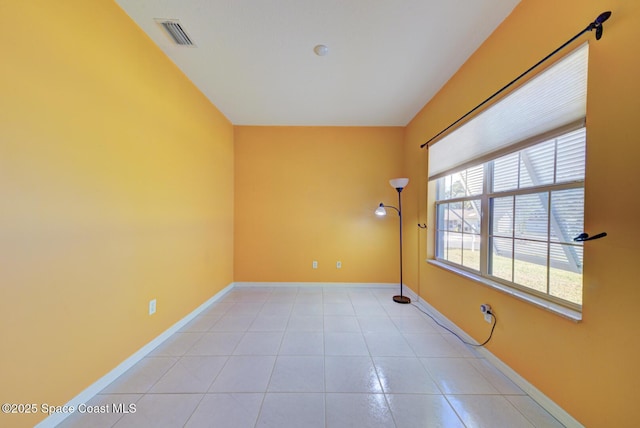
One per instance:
(316, 284)
(56, 418)
(538, 396)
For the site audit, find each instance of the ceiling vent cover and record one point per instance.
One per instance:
(175, 30)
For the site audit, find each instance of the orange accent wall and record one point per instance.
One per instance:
(116, 187)
(589, 368)
(309, 193)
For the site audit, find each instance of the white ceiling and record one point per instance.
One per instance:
(254, 59)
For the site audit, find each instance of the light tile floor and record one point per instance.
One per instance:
(305, 357)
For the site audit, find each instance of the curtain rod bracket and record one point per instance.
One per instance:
(595, 25)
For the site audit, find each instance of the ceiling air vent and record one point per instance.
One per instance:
(175, 30)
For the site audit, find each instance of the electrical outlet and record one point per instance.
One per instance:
(338, 264)
(486, 311)
(152, 307)
(315, 264)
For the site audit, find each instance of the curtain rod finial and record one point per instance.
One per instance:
(597, 24)
(603, 17)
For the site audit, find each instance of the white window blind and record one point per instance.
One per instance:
(553, 99)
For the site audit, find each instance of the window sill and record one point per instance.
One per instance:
(562, 311)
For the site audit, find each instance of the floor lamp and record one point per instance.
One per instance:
(398, 184)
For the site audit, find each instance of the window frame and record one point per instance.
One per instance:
(542, 299)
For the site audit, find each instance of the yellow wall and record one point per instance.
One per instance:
(116, 187)
(589, 368)
(308, 193)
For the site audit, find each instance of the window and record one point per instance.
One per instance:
(509, 186)
(458, 217)
(533, 203)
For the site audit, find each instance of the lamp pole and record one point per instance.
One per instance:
(400, 298)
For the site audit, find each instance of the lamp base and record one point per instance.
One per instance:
(401, 299)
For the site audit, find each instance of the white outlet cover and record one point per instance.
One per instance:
(315, 264)
(487, 318)
(152, 307)
(338, 265)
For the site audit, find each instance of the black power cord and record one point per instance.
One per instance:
(495, 321)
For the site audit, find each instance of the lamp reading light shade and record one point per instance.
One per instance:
(380, 211)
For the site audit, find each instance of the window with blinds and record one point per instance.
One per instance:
(510, 187)
(533, 200)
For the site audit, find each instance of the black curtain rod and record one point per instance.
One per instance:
(595, 25)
